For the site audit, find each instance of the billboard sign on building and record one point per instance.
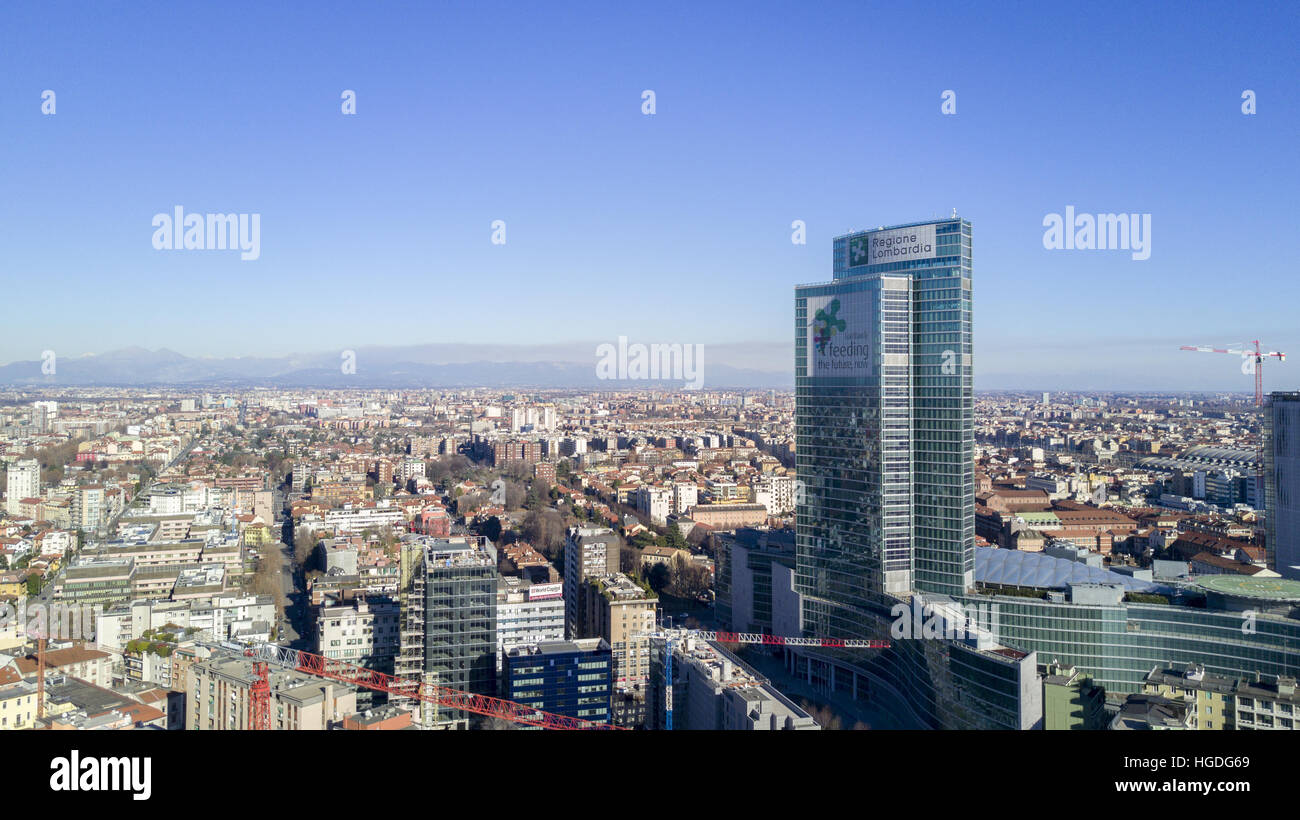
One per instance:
(894, 245)
(840, 331)
(542, 592)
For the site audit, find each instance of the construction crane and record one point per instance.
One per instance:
(670, 636)
(40, 677)
(264, 654)
(777, 640)
(310, 663)
(1252, 362)
(259, 697)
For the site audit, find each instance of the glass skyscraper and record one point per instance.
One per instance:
(884, 425)
(884, 422)
(1282, 482)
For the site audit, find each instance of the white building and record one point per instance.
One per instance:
(776, 493)
(88, 507)
(685, 496)
(655, 502)
(350, 519)
(527, 614)
(23, 480)
(361, 632)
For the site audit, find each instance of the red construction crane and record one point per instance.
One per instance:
(259, 698)
(40, 677)
(670, 636)
(1252, 362)
(777, 640)
(320, 666)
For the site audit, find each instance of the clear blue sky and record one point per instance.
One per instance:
(672, 227)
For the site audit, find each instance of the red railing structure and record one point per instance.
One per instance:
(333, 669)
(778, 640)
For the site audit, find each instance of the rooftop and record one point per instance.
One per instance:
(1240, 586)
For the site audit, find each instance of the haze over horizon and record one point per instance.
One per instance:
(753, 366)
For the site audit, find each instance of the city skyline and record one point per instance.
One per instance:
(694, 367)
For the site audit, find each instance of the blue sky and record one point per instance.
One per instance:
(671, 227)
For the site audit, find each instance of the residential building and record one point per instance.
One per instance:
(22, 480)
(623, 613)
(589, 552)
(219, 697)
(1071, 701)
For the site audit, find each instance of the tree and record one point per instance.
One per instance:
(629, 559)
(469, 503)
(545, 530)
(304, 546)
(491, 528)
(266, 582)
(515, 496)
(34, 582)
(674, 539)
(659, 577)
(690, 580)
(532, 500)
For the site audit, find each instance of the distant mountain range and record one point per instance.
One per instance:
(462, 365)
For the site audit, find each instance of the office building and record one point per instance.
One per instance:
(448, 629)
(570, 678)
(528, 613)
(884, 428)
(884, 419)
(754, 581)
(1282, 482)
(713, 690)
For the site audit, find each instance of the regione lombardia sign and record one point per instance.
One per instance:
(896, 245)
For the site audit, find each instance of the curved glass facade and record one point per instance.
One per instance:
(1118, 645)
